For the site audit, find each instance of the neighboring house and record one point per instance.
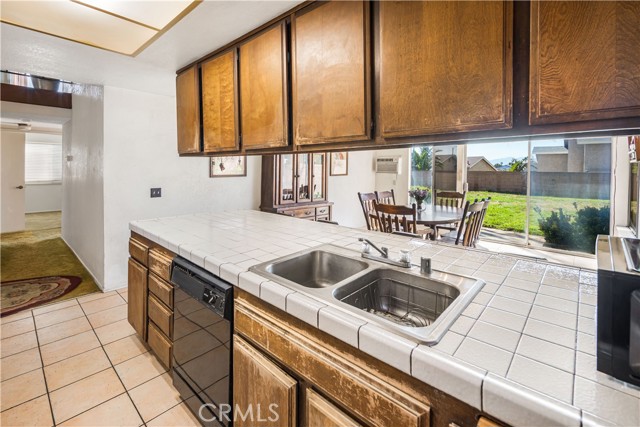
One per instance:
(585, 155)
(479, 164)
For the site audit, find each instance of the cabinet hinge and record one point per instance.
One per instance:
(373, 127)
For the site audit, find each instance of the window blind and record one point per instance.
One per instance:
(43, 162)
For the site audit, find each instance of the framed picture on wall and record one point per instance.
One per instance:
(339, 164)
(224, 166)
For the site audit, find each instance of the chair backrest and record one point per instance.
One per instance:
(396, 217)
(369, 210)
(386, 197)
(451, 199)
(471, 225)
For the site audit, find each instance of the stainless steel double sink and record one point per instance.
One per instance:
(418, 306)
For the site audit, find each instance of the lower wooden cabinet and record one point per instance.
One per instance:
(137, 300)
(277, 345)
(319, 412)
(150, 305)
(261, 389)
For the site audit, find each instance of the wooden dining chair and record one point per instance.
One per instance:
(396, 218)
(451, 199)
(470, 227)
(386, 197)
(368, 209)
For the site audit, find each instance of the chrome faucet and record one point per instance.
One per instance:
(404, 261)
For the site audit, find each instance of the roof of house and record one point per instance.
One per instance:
(549, 150)
(473, 160)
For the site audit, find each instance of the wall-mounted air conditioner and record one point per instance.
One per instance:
(388, 164)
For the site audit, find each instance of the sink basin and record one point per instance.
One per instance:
(631, 249)
(316, 269)
(404, 299)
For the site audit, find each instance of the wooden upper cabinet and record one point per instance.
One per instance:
(188, 109)
(220, 103)
(263, 90)
(331, 73)
(585, 60)
(444, 67)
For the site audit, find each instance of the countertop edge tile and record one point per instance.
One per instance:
(518, 405)
(457, 378)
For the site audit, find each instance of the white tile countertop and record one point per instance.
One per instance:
(523, 350)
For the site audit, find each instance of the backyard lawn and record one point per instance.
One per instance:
(509, 211)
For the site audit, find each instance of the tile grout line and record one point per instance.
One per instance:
(44, 377)
(126, 391)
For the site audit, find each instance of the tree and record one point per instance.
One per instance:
(498, 165)
(516, 165)
(421, 159)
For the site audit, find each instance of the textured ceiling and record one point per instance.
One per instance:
(208, 27)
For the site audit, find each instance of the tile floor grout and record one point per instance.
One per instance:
(111, 366)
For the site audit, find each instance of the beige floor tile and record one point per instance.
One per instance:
(95, 296)
(67, 347)
(110, 315)
(63, 330)
(177, 416)
(155, 397)
(24, 387)
(102, 303)
(125, 295)
(118, 411)
(18, 344)
(55, 306)
(36, 412)
(125, 349)
(20, 315)
(141, 368)
(20, 363)
(18, 327)
(76, 398)
(114, 331)
(75, 368)
(58, 316)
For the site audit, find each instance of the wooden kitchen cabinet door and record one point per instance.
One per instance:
(585, 61)
(188, 110)
(220, 103)
(137, 301)
(319, 412)
(261, 386)
(263, 90)
(331, 73)
(444, 66)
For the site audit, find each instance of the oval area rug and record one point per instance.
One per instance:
(18, 295)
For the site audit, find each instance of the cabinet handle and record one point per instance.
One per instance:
(19, 187)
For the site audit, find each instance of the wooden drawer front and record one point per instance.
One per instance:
(161, 315)
(138, 251)
(160, 264)
(160, 345)
(324, 211)
(161, 289)
(303, 212)
(323, 217)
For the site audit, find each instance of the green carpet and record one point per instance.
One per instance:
(40, 253)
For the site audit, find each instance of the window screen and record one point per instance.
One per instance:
(43, 162)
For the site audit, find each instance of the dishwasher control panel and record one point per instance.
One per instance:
(215, 298)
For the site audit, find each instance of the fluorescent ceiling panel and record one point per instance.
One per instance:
(152, 13)
(121, 26)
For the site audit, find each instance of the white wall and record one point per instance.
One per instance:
(343, 190)
(43, 197)
(82, 177)
(141, 152)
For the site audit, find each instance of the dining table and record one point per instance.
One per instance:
(434, 215)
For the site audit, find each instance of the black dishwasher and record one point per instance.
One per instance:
(202, 340)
